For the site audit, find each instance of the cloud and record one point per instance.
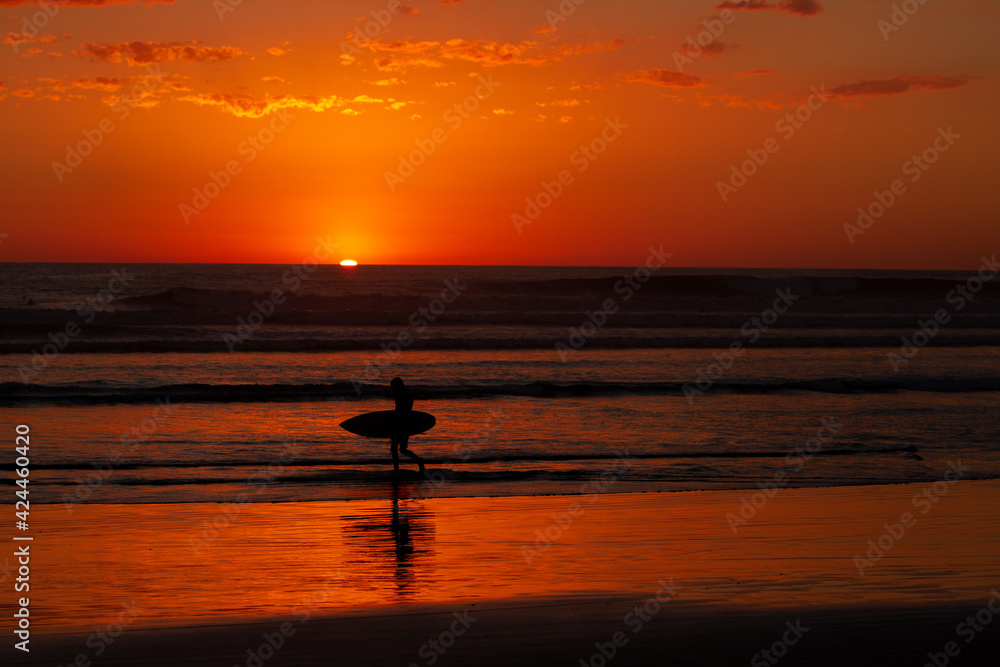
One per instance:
(272, 79)
(402, 54)
(665, 77)
(22, 92)
(22, 38)
(591, 47)
(277, 51)
(559, 103)
(901, 84)
(740, 102)
(482, 52)
(146, 53)
(489, 53)
(713, 49)
(248, 106)
(54, 84)
(542, 118)
(445, 3)
(799, 7)
(107, 84)
(367, 99)
(404, 9)
(503, 112)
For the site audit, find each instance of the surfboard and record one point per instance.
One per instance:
(379, 424)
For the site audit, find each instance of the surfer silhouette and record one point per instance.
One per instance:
(400, 438)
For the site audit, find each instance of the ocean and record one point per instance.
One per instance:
(149, 383)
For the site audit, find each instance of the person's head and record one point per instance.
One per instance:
(397, 384)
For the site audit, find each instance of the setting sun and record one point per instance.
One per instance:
(348, 262)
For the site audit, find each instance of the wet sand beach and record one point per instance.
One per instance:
(549, 580)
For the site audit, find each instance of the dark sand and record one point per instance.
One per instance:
(547, 632)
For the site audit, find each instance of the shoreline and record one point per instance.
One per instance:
(411, 481)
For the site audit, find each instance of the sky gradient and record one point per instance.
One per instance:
(194, 131)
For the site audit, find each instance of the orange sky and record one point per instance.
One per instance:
(183, 86)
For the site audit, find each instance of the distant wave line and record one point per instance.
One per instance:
(16, 393)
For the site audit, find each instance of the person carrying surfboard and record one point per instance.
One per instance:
(401, 438)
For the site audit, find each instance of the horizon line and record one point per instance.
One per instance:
(519, 266)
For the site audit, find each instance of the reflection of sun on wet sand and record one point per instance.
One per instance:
(403, 568)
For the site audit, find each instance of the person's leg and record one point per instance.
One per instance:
(404, 447)
(395, 456)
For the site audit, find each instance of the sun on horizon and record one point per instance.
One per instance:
(348, 262)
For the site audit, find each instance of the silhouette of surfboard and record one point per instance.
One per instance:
(379, 424)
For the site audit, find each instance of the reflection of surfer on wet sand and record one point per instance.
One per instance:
(388, 548)
(401, 437)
